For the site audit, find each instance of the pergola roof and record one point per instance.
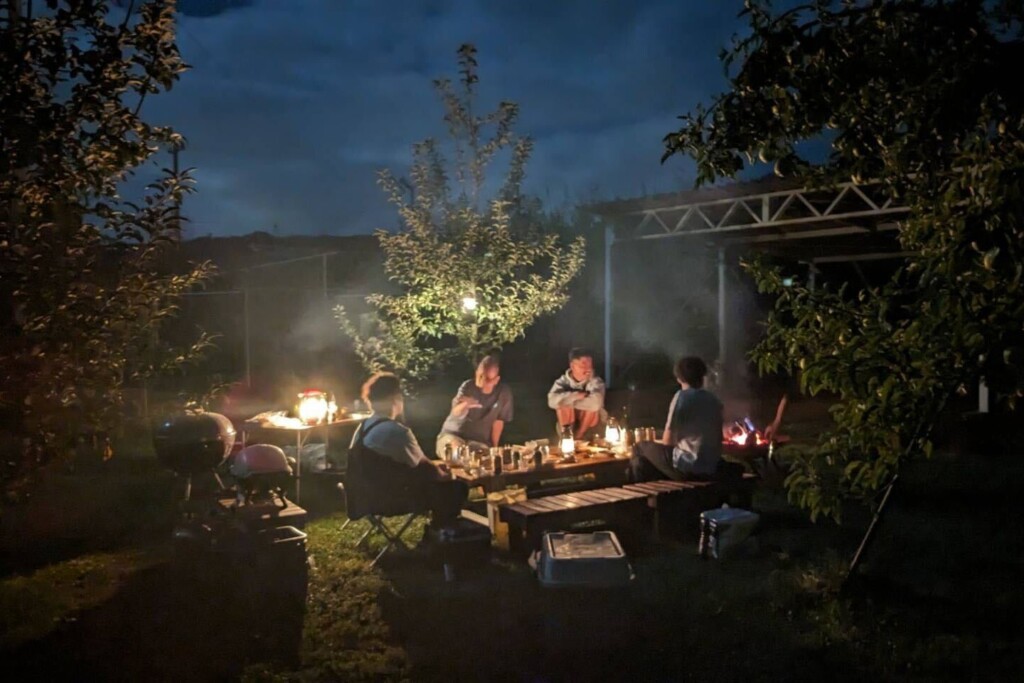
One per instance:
(844, 222)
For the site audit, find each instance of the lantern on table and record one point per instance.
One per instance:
(612, 433)
(566, 443)
(313, 407)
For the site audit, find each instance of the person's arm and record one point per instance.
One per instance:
(558, 396)
(666, 435)
(496, 427)
(773, 429)
(594, 400)
(462, 404)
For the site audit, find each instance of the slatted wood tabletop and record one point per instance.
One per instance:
(606, 468)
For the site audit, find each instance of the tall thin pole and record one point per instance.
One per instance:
(245, 327)
(721, 313)
(609, 239)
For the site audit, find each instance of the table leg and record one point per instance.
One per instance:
(298, 466)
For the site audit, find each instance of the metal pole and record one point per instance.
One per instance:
(869, 535)
(721, 314)
(609, 238)
(245, 327)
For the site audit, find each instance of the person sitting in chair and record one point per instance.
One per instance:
(390, 463)
(691, 444)
(577, 397)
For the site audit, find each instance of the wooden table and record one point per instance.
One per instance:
(301, 434)
(606, 468)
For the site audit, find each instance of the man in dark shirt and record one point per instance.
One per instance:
(691, 443)
(480, 409)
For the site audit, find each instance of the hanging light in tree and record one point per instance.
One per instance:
(469, 303)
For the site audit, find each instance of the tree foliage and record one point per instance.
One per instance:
(915, 96)
(81, 271)
(455, 244)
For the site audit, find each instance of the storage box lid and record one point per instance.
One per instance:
(729, 516)
(597, 545)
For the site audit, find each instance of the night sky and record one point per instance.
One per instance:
(293, 105)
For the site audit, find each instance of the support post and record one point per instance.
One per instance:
(245, 330)
(982, 396)
(721, 314)
(324, 275)
(609, 239)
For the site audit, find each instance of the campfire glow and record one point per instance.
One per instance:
(745, 434)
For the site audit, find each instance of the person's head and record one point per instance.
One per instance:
(488, 372)
(690, 370)
(383, 393)
(581, 364)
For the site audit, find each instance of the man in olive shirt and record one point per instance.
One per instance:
(480, 409)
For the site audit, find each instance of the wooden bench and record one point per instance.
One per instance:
(675, 504)
(527, 521)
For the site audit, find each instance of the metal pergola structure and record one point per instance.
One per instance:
(847, 222)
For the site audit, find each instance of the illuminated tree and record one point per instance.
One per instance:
(915, 96)
(82, 287)
(473, 273)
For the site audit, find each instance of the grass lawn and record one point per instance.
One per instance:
(940, 599)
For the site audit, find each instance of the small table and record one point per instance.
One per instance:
(604, 467)
(302, 434)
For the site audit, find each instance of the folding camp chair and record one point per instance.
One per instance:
(376, 516)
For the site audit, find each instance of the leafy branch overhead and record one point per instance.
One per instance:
(455, 245)
(83, 278)
(914, 96)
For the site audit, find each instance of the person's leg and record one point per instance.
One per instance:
(446, 499)
(566, 416)
(653, 460)
(587, 420)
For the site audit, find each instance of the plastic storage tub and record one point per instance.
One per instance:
(593, 559)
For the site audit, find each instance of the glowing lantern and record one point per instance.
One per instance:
(469, 303)
(612, 432)
(313, 407)
(567, 443)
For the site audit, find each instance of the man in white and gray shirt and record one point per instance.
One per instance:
(577, 397)
(393, 461)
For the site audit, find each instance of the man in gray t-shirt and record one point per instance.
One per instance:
(480, 409)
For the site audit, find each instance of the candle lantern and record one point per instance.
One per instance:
(313, 407)
(567, 444)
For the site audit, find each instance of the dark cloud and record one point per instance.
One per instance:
(292, 107)
(209, 8)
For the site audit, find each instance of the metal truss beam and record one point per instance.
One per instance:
(779, 213)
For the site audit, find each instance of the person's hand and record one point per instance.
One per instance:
(769, 432)
(469, 402)
(580, 395)
(443, 472)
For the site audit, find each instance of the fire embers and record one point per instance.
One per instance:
(745, 433)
